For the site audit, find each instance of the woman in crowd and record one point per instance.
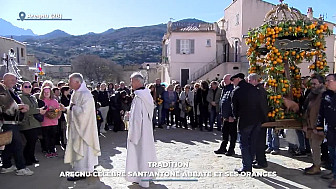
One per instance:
(103, 98)
(110, 89)
(169, 104)
(196, 109)
(30, 125)
(110, 92)
(177, 110)
(187, 101)
(47, 83)
(203, 104)
(49, 123)
(65, 100)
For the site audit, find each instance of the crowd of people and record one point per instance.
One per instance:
(236, 106)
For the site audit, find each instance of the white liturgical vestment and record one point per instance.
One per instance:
(140, 141)
(83, 148)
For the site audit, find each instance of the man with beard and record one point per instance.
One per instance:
(311, 108)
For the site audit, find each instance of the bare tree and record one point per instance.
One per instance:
(95, 68)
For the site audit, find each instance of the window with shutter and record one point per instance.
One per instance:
(185, 46)
(192, 46)
(178, 46)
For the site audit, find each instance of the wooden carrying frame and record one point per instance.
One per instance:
(284, 124)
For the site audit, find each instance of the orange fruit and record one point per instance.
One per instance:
(293, 53)
(312, 66)
(283, 89)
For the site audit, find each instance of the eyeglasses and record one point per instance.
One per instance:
(314, 83)
(27, 86)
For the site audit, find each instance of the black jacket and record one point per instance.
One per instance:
(327, 116)
(201, 98)
(115, 102)
(103, 98)
(159, 91)
(225, 101)
(245, 103)
(124, 89)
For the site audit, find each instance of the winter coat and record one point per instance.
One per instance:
(225, 101)
(29, 121)
(312, 107)
(168, 100)
(246, 105)
(210, 98)
(326, 118)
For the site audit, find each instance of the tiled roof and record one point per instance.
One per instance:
(192, 27)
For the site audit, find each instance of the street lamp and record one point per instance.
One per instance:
(147, 68)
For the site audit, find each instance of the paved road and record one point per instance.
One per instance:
(175, 145)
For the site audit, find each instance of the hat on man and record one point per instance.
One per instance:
(238, 75)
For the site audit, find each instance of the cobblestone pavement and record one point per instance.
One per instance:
(176, 145)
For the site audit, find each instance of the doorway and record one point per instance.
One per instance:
(184, 77)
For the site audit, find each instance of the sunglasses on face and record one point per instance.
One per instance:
(28, 86)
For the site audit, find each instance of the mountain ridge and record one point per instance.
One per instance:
(128, 45)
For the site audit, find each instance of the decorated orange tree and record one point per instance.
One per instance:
(278, 46)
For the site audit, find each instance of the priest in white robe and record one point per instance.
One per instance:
(140, 140)
(83, 147)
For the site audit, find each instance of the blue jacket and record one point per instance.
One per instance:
(168, 101)
(226, 102)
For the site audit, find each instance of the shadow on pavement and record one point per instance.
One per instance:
(294, 175)
(186, 136)
(111, 142)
